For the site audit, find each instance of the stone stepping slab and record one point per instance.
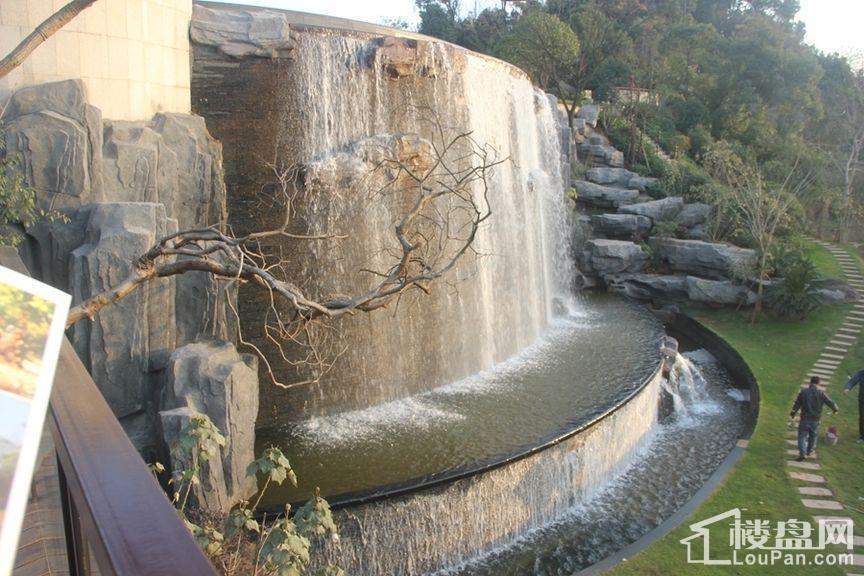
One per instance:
(826, 364)
(803, 465)
(817, 369)
(814, 491)
(812, 456)
(847, 337)
(840, 357)
(805, 477)
(824, 373)
(838, 349)
(856, 330)
(821, 504)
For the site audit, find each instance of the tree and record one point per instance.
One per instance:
(547, 49)
(42, 32)
(439, 18)
(760, 210)
(854, 111)
(604, 52)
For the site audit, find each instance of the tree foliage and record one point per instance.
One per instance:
(737, 71)
(544, 46)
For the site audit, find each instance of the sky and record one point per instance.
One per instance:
(831, 24)
(834, 25)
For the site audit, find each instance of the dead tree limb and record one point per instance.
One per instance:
(447, 202)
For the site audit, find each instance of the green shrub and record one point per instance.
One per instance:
(238, 543)
(665, 228)
(700, 140)
(18, 206)
(794, 292)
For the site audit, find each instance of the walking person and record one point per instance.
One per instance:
(858, 380)
(810, 402)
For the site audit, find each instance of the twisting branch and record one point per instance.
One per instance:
(445, 184)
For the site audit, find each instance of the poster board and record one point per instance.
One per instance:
(32, 322)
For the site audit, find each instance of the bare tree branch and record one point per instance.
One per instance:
(446, 193)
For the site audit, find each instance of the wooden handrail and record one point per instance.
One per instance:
(125, 516)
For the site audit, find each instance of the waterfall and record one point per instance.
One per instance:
(688, 389)
(338, 98)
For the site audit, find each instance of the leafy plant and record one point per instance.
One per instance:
(665, 228)
(18, 205)
(795, 292)
(245, 545)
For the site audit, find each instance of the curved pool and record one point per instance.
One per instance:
(594, 356)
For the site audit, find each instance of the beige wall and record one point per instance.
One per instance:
(133, 55)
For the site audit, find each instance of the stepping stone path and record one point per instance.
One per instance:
(818, 497)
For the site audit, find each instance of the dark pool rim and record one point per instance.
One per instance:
(431, 481)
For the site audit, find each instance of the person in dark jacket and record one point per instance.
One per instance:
(810, 402)
(858, 380)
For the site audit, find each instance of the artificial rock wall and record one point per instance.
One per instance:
(131, 55)
(115, 188)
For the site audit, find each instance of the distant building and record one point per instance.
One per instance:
(633, 94)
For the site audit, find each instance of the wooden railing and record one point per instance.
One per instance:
(112, 505)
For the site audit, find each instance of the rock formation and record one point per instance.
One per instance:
(705, 259)
(667, 269)
(213, 379)
(240, 34)
(119, 187)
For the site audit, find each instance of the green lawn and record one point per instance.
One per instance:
(779, 353)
